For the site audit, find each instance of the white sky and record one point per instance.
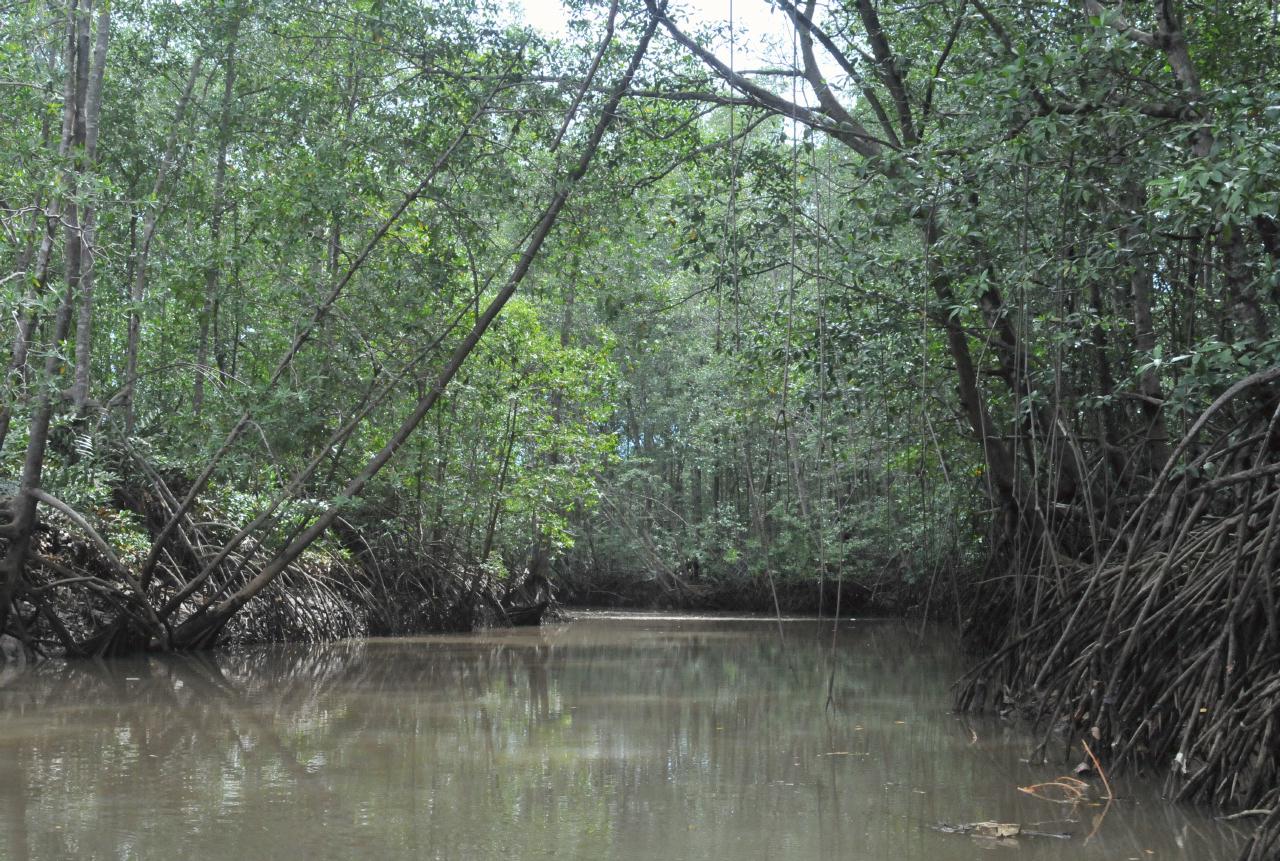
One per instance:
(756, 25)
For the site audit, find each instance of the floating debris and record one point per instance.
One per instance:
(996, 830)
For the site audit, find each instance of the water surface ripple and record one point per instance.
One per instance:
(609, 737)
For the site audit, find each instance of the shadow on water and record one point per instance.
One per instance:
(632, 737)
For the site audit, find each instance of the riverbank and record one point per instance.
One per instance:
(335, 594)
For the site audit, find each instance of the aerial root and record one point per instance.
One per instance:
(1165, 651)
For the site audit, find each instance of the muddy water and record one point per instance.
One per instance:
(645, 737)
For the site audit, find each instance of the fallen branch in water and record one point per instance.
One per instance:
(1097, 766)
(997, 830)
(1072, 789)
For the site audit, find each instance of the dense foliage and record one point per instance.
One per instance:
(348, 317)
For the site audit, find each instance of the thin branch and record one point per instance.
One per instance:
(956, 26)
(591, 76)
(855, 136)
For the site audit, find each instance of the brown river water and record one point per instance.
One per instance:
(634, 736)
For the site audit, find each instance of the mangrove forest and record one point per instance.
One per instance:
(344, 327)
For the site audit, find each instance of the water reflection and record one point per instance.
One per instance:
(648, 737)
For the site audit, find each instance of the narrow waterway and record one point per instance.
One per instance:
(607, 737)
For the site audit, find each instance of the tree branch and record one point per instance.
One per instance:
(808, 31)
(202, 629)
(1115, 19)
(893, 77)
(855, 136)
(956, 26)
(591, 76)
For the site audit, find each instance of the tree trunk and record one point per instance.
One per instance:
(21, 528)
(1156, 434)
(213, 271)
(93, 109)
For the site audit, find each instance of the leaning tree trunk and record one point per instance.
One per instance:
(203, 628)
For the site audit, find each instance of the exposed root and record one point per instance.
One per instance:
(1167, 649)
